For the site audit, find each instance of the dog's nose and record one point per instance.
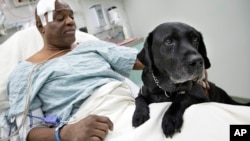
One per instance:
(196, 62)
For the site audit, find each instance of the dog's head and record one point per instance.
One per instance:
(176, 53)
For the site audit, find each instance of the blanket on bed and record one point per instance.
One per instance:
(206, 121)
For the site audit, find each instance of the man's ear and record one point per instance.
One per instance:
(39, 24)
(40, 27)
(145, 54)
(202, 50)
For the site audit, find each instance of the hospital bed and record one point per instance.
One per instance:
(206, 121)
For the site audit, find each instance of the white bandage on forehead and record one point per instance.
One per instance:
(43, 7)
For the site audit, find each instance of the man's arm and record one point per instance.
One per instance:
(41, 134)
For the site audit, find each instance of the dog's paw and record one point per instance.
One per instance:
(140, 116)
(171, 124)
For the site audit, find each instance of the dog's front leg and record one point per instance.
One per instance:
(173, 118)
(141, 113)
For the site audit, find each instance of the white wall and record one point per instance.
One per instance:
(225, 25)
(17, 16)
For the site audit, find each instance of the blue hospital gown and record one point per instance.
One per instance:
(62, 84)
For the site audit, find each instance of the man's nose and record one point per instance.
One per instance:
(70, 20)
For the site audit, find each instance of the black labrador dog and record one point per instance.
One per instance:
(175, 60)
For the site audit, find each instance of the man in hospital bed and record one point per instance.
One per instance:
(113, 100)
(58, 78)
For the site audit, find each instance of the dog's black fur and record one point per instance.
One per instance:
(175, 58)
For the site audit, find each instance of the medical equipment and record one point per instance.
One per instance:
(97, 15)
(113, 15)
(53, 120)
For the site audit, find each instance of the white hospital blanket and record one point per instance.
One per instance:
(202, 122)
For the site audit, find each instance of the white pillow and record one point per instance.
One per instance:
(18, 47)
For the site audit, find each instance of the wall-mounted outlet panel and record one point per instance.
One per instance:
(18, 3)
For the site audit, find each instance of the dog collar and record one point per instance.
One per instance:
(158, 85)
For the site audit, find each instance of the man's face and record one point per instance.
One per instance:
(61, 31)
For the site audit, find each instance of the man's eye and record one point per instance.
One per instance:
(168, 42)
(72, 17)
(59, 18)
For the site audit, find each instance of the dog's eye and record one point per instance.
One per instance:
(168, 42)
(195, 39)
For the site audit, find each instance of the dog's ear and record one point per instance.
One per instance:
(202, 50)
(145, 54)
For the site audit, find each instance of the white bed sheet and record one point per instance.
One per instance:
(202, 122)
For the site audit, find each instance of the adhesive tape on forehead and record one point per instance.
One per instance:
(45, 6)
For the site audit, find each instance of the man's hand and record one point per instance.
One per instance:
(91, 128)
(204, 83)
